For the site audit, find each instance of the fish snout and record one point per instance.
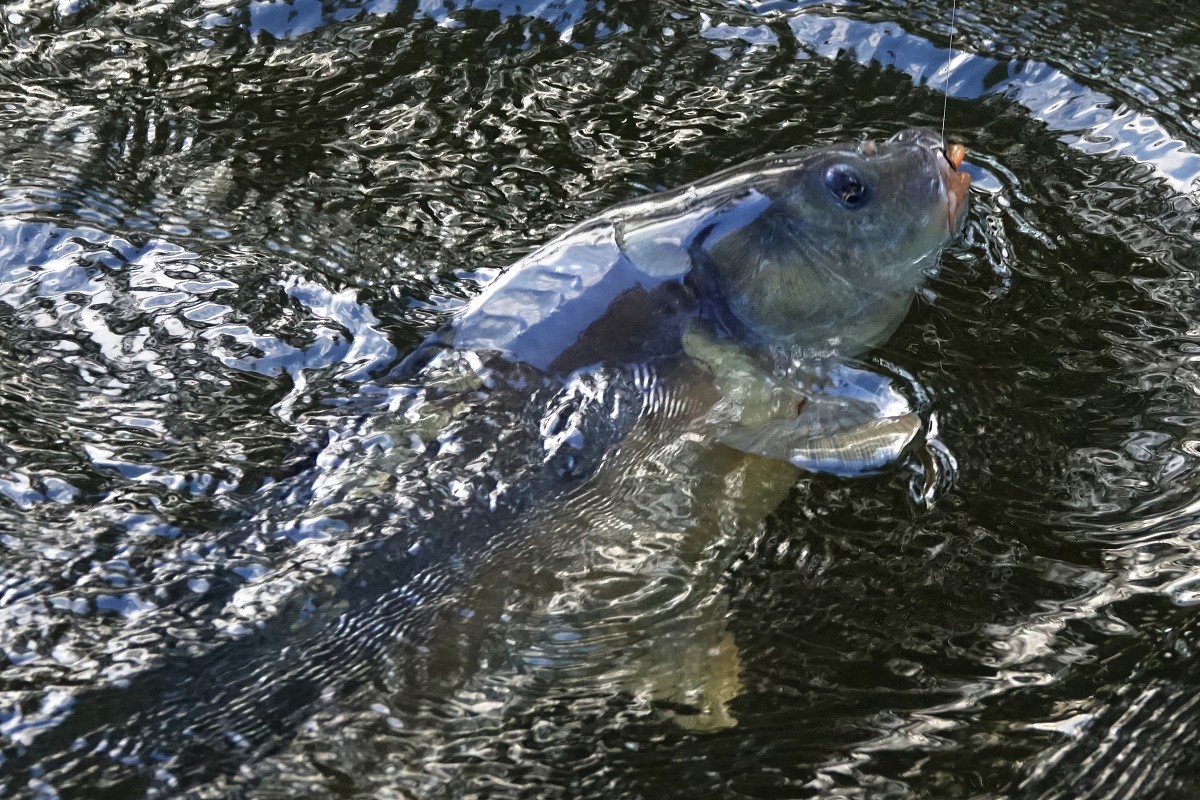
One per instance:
(955, 183)
(946, 161)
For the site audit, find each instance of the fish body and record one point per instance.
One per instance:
(655, 334)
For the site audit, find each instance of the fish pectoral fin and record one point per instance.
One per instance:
(752, 394)
(693, 677)
(862, 448)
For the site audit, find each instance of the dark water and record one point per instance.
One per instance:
(222, 225)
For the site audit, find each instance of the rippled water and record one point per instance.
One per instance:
(223, 226)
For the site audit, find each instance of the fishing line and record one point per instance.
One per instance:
(949, 59)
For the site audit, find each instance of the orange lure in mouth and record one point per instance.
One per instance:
(957, 182)
(955, 154)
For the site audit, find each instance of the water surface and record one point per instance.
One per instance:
(221, 226)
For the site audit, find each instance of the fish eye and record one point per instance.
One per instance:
(847, 187)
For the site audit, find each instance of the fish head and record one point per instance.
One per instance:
(904, 198)
(851, 232)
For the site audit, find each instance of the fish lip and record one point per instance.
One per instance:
(955, 184)
(947, 160)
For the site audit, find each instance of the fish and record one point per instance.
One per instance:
(685, 356)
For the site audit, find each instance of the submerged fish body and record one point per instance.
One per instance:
(659, 328)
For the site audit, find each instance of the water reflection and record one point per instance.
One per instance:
(222, 225)
(1090, 121)
(284, 19)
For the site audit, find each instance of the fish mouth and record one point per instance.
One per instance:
(946, 161)
(955, 184)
